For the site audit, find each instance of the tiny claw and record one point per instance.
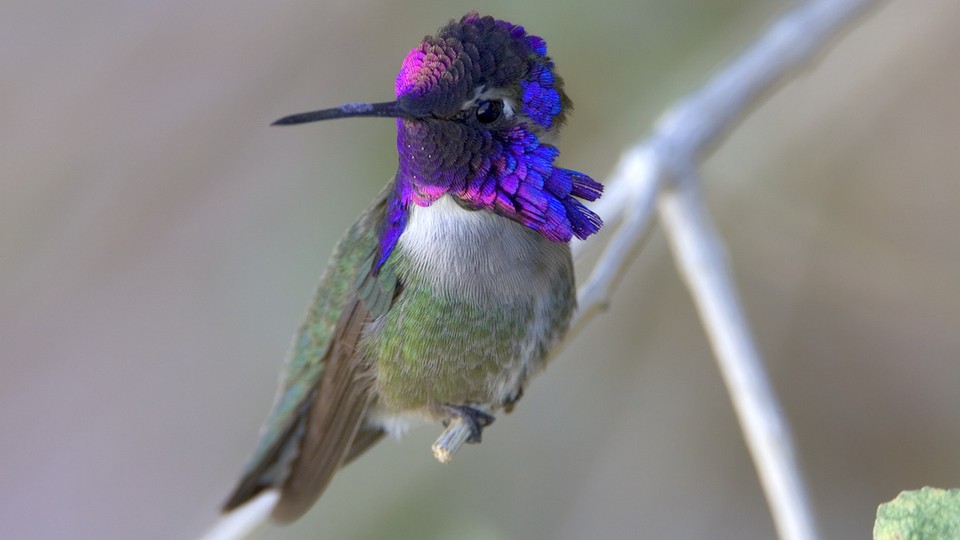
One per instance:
(512, 401)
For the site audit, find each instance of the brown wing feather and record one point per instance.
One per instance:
(316, 424)
(333, 419)
(258, 477)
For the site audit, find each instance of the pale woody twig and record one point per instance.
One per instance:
(245, 520)
(684, 135)
(452, 438)
(700, 258)
(638, 172)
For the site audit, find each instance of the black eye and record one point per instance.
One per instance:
(489, 111)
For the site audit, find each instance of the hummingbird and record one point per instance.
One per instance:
(449, 291)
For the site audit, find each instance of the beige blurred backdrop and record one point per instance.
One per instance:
(159, 244)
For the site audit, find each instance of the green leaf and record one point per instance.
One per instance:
(925, 514)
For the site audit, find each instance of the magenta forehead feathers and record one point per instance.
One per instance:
(479, 52)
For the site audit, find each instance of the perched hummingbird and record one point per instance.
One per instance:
(448, 293)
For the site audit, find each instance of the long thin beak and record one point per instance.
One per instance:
(388, 109)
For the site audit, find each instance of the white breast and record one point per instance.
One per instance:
(478, 253)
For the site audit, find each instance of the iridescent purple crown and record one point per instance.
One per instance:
(502, 166)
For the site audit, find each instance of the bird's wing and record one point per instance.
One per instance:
(325, 389)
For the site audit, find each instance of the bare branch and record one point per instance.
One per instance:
(699, 254)
(670, 157)
(244, 521)
(451, 440)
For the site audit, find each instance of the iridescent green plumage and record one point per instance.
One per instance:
(482, 296)
(309, 354)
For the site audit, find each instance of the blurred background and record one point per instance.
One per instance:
(159, 244)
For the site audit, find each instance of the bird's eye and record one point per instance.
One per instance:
(489, 111)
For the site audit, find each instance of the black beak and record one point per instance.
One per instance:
(389, 109)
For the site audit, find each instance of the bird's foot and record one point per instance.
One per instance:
(475, 419)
